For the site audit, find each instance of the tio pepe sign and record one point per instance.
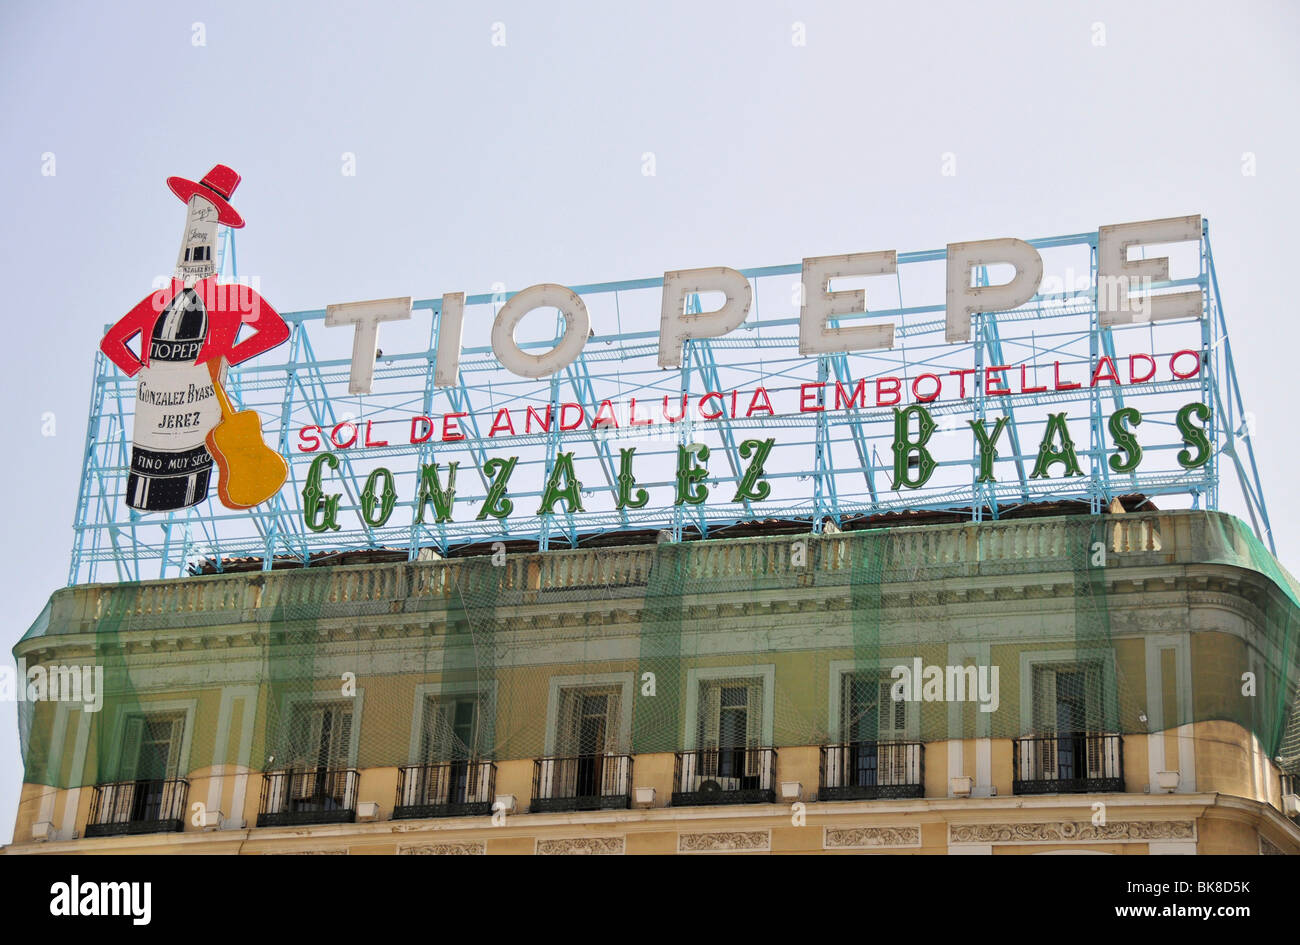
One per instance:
(1123, 296)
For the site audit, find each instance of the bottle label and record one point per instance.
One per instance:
(175, 408)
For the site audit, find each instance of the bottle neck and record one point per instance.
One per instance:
(198, 254)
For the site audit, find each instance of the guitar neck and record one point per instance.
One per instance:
(214, 369)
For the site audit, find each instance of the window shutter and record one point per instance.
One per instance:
(1096, 762)
(847, 705)
(754, 714)
(1042, 763)
(304, 735)
(710, 722)
(437, 731)
(304, 783)
(1093, 697)
(175, 737)
(481, 781)
(316, 732)
(613, 735)
(471, 750)
(891, 715)
(710, 714)
(754, 731)
(276, 788)
(566, 742)
(1044, 720)
(613, 773)
(340, 747)
(310, 753)
(132, 736)
(1095, 745)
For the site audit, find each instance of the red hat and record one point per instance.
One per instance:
(217, 187)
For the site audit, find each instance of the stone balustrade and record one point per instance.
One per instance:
(908, 553)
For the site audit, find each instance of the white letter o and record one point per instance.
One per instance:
(577, 325)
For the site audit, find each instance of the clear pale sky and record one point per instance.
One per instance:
(522, 162)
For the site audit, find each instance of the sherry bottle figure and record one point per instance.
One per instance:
(181, 329)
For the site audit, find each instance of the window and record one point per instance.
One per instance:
(588, 722)
(870, 717)
(151, 747)
(731, 713)
(731, 727)
(321, 735)
(450, 738)
(1068, 702)
(151, 750)
(320, 751)
(589, 743)
(868, 710)
(451, 729)
(1067, 697)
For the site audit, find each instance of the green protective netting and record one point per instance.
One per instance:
(623, 649)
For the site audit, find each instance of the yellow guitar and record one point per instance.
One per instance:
(251, 472)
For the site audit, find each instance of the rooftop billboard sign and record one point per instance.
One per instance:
(975, 378)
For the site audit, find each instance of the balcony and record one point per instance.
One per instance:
(448, 789)
(135, 807)
(1068, 763)
(870, 770)
(725, 776)
(581, 782)
(308, 796)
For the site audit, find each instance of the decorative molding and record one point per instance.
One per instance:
(339, 851)
(568, 846)
(1067, 831)
(444, 849)
(730, 841)
(863, 838)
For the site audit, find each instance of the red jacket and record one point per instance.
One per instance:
(228, 307)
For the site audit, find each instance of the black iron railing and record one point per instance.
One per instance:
(446, 789)
(866, 770)
(308, 796)
(725, 776)
(130, 807)
(1068, 763)
(581, 782)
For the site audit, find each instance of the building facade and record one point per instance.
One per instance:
(1110, 684)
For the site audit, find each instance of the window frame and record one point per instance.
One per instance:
(121, 714)
(290, 705)
(695, 677)
(1031, 659)
(835, 705)
(487, 701)
(624, 682)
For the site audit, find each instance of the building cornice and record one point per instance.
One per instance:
(1166, 562)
